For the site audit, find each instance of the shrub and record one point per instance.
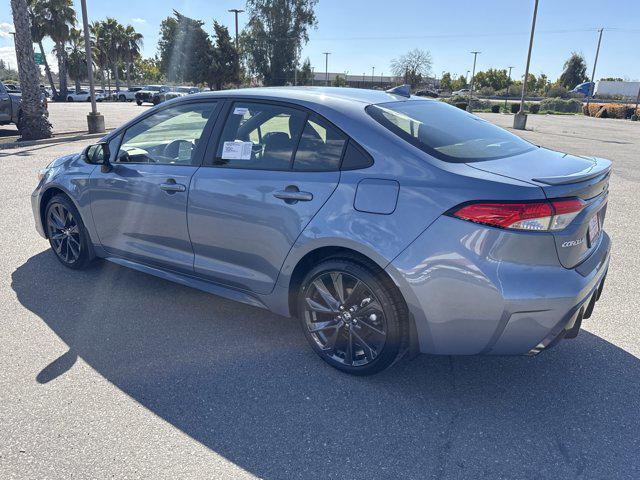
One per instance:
(561, 105)
(610, 110)
(461, 105)
(602, 113)
(534, 108)
(486, 92)
(495, 108)
(476, 103)
(557, 91)
(634, 117)
(515, 107)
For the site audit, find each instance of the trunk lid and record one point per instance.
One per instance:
(563, 176)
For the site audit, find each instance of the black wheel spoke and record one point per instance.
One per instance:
(319, 326)
(316, 307)
(348, 351)
(331, 302)
(369, 352)
(64, 233)
(356, 294)
(367, 324)
(336, 278)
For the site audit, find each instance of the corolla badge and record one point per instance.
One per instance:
(573, 243)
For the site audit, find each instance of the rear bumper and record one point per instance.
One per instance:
(479, 290)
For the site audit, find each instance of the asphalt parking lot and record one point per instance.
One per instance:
(110, 373)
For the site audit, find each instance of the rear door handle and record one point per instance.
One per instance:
(170, 186)
(292, 194)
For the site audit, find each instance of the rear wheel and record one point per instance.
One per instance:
(69, 99)
(67, 235)
(122, 98)
(353, 317)
(138, 102)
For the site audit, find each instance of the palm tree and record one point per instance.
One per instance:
(77, 56)
(33, 123)
(100, 49)
(38, 32)
(60, 17)
(131, 46)
(115, 38)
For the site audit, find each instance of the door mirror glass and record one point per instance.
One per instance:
(97, 154)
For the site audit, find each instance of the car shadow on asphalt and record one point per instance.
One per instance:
(244, 383)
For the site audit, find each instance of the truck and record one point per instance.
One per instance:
(10, 103)
(609, 88)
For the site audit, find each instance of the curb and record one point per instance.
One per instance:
(53, 140)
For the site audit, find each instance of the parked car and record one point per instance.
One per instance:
(146, 94)
(12, 87)
(427, 93)
(128, 95)
(384, 222)
(176, 92)
(11, 106)
(85, 96)
(462, 91)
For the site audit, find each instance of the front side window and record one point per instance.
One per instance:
(320, 148)
(259, 136)
(169, 136)
(447, 132)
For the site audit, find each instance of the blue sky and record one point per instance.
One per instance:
(366, 33)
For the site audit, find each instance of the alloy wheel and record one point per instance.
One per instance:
(64, 233)
(345, 318)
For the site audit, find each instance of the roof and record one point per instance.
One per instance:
(312, 94)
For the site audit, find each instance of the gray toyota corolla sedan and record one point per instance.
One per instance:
(386, 223)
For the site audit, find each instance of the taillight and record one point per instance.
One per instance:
(534, 216)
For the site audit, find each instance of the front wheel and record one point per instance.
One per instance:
(353, 316)
(67, 235)
(138, 102)
(69, 99)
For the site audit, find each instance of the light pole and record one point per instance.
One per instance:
(373, 71)
(473, 74)
(520, 118)
(236, 11)
(95, 121)
(508, 85)
(593, 72)
(326, 67)
(313, 74)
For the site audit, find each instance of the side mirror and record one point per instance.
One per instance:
(98, 154)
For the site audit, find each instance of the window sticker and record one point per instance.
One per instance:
(240, 110)
(236, 150)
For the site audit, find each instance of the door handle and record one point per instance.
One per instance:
(292, 195)
(170, 186)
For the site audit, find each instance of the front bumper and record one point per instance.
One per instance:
(479, 290)
(35, 208)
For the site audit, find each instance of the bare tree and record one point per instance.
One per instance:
(413, 66)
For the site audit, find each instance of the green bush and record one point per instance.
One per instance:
(495, 108)
(557, 91)
(534, 108)
(557, 104)
(461, 105)
(486, 92)
(476, 103)
(515, 107)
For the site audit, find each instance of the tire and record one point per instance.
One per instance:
(138, 102)
(69, 99)
(360, 336)
(67, 234)
(122, 98)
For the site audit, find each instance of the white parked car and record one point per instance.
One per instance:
(84, 96)
(462, 91)
(128, 95)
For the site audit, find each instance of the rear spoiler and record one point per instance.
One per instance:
(599, 168)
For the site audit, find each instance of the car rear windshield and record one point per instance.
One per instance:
(447, 132)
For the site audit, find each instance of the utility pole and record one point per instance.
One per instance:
(95, 121)
(326, 67)
(635, 111)
(520, 118)
(236, 11)
(313, 74)
(593, 72)
(473, 74)
(508, 85)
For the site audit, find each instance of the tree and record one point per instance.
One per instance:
(146, 70)
(225, 66)
(305, 74)
(275, 34)
(414, 66)
(59, 17)
(38, 20)
(575, 71)
(131, 47)
(339, 81)
(32, 122)
(459, 83)
(446, 82)
(100, 49)
(77, 57)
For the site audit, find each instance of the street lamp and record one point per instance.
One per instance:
(520, 118)
(373, 71)
(236, 11)
(313, 74)
(473, 74)
(508, 85)
(326, 67)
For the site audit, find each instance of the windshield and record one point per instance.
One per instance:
(184, 89)
(152, 88)
(447, 132)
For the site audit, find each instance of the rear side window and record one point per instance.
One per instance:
(447, 132)
(259, 136)
(320, 148)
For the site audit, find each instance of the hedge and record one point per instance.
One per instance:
(609, 110)
(561, 105)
